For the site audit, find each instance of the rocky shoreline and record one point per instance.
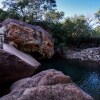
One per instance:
(21, 67)
(89, 54)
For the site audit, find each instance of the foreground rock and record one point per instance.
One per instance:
(15, 65)
(28, 38)
(46, 85)
(90, 54)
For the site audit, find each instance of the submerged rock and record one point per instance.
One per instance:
(46, 85)
(89, 54)
(28, 37)
(15, 65)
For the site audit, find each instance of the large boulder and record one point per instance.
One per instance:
(15, 65)
(46, 85)
(28, 37)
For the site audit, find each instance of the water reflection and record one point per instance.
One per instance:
(87, 79)
(90, 83)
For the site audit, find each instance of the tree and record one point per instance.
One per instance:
(54, 16)
(30, 10)
(78, 26)
(76, 30)
(8, 14)
(3, 15)
(72, 31)
(97, 15)
(96, 31)
(97, 18)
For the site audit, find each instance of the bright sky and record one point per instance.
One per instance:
(71, 7)
(0, 3)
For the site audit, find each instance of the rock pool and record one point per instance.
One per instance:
(86, 78)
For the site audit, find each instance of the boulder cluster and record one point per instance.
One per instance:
(15, 65)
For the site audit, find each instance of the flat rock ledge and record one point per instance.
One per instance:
(89, 54)
(46, 85)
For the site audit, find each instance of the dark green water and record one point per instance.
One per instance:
(86, 78)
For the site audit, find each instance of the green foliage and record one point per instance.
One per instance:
(29, 10)
(3, 15)
(72, 31)
(8, 14)
(54, 16)
(96, 31)
(12, 14)
(77, 27)
(97, 15)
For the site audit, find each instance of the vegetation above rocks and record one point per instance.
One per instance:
(77, 30)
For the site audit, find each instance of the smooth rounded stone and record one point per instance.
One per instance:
(15, 65)
(46, 85)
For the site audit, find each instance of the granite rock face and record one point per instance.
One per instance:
(46, 85)
(15, 65)
(89, 54)
(48, 77)
(28, 38)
